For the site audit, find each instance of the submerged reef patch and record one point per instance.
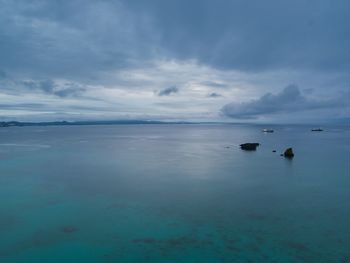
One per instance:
(69, 229)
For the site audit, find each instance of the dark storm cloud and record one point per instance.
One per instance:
(214, 95)
(68, 92)
(289, 100)
(82, 38)
(168, 91)
(254, 35)
(70, 39)
(51, 88)
(46, 86)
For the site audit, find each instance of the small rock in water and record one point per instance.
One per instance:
(249, 146)
(288, 153)
(274, 151)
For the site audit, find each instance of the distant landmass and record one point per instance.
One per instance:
(344, 121)
(66, 123)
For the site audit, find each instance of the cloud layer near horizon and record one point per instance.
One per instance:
(289, 100)
(122, 59)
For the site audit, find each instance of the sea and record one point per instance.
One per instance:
(174, 193)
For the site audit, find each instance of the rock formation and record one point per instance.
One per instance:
(288, 153)
(249, 146)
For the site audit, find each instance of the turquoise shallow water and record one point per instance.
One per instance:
(173, 193)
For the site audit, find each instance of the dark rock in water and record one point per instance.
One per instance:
(249, 146)
(288, 153)
(274, 151)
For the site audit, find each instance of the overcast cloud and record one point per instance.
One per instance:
(168, 91)
(89, 59)
(289, 100)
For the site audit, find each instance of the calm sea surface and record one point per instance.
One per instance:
(173, 193)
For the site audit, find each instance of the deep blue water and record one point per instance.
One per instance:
(173, 193)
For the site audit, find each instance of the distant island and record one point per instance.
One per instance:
(135, 122)
(70, 123)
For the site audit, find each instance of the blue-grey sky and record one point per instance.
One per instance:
(223, 60)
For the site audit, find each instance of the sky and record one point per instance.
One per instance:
(175, 60)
